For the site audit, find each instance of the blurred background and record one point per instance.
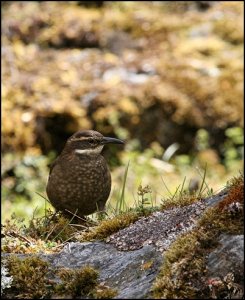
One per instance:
(166, 77)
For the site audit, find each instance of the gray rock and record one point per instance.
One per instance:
(160, 229)
(227, 257)
(131, 273)
(225, 267)
(215, 199)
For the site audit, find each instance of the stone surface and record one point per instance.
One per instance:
(159, 229)
(162, 228)
(225, 267)
(131, 273)
(227, 257)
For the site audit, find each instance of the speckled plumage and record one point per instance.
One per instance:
(80, 181)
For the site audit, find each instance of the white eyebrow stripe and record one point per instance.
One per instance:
(82, 138)
(96, 150)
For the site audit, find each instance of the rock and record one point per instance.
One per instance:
(227, 257)
(160, 229)
(130, 273)
(225, 267)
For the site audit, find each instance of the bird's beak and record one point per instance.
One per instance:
(109, 140)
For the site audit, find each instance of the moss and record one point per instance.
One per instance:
(53, 226)
(182, 200)
(46, 233)
(80, 282)
(108, 227)
(229, 29)
(174, 280)
(147, 265)
(183, 271)
(104, 292)
(228, 216)
(235, 194)
(29, 277)
(83, 282)
(31, 281)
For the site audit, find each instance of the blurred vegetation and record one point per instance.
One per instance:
(165, 76)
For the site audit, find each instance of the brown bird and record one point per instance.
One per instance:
(79, 179)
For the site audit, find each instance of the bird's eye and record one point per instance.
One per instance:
(91, 141)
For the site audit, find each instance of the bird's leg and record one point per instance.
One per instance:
(74, 218)
(101, 210)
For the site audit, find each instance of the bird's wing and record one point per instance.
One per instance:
(51, 165)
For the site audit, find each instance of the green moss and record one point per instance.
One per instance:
(31, 281)
(80, 282)
(53, 227)
(29, 277)
(83, 282)
(182, 200)
(181, 265)
(237, 181)
(108, 227)
(41, 234)
(183, 272)
(104, 292)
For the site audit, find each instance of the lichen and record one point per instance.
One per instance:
(6, 280)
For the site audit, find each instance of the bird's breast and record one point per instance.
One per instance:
(87, 175)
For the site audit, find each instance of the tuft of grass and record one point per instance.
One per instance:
(202, 189)
(178, 200)
(182, 197)
(120, 205)
(52, 227)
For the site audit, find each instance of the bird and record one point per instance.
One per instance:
(79, 181)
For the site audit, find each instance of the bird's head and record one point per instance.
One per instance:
(89, 142)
